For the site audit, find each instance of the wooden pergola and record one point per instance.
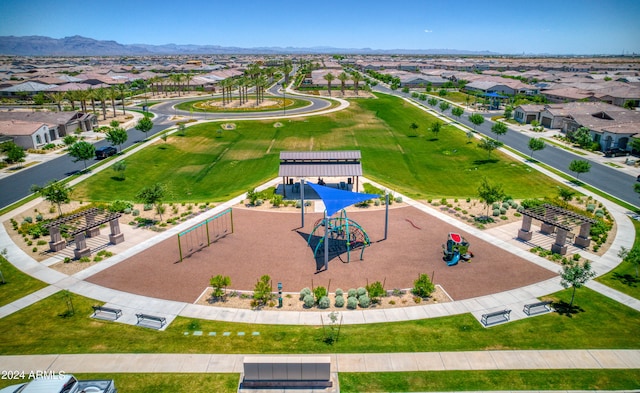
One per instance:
(558, 220)
(82, 225)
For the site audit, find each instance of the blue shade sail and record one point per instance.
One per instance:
(336, 200)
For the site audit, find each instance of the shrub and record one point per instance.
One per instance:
(352, 303)
(324, 302)
(496, 212)
(423, 287)
(319, 293)
(496, 205)
(505, 205)
(375, 291)
(41, 242)
(398, 199)
(298, 204)
(147, 207)
(361, 292)
(503, 211)
(376, 202)
(39, 217)
(339, 301)
(259, 202)
(309, 301)
(304, 292)
(28, 219)
(352, 293)
(119, 206)
(591, 207)
(364, 301)
(339, 292)
(468, 200)
(135, 212)
(34, 249)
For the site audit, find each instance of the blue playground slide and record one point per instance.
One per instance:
(455, 259)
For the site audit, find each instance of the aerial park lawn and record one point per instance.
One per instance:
(211, 164)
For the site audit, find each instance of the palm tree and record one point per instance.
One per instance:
(343, 78)
(92, 97)
(101, 95)
(329, 77)
(122, 88)
(71, 96)
(286, 70)
(188, 77)
(356, 78)
(82, 96)
(113, 94)
(57, 97)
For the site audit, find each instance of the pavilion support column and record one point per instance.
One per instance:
(92, 231)
(116, 237)
(583, 239)
(82, 250)
(525, 232)
(547, 228)
(559, 247)
(56, 243)
(284, 186)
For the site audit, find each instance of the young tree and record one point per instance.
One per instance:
(413, 127)
(432, 101)
(508, 112)
(457, 111)
(82, 151)
(476, 119)
(566, 194)
(13, 152)
(581, 136)
(262, 291)
(579, 166)
(436, 127)
(153, 196)
(219, 284)
(489, 193)
(120, 167)
(117, 136)
(536, 144)
(375, 291)
(470, 136)
(499, 128)
(632, 256)
(444, 106)
(145, 125)
(55, 192)
(575, 275)
(489, 145)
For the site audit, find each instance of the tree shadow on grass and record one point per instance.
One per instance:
(487, 161)
(576, 182)
(563, 308)
(627, 279)
(432, 139)
(117, 178)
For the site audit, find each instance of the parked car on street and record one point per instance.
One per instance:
(105, 151)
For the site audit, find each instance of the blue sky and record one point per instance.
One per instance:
(510, 27)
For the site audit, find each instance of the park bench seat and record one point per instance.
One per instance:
(112, 313)
(541, 306)
(495, 317)
(281, 372)
(153, 318)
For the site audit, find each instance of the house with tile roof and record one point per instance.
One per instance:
(26, 134)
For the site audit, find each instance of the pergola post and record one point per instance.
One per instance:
(116, 237)
(559, 247)
(583, 239)
(525, 232)
(81, 246)
(56, 243)
(92, 231)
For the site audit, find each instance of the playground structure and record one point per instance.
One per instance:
(341, 229)
(456, 248)
(204, 233)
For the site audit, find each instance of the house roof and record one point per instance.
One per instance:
(31, 87)
(19, 127)
(309, 164)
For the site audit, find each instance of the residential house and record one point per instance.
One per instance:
(60, 124)
(26, 134)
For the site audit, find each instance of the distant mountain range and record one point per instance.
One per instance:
(83, 46)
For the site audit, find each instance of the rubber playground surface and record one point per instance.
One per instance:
(273, 243)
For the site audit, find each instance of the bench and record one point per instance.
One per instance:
(117, 313)
(147, 317)
(543, 306)
(296, 372)
(504, 317)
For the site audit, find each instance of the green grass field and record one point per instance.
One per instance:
(204, 166)
(17, 284)
(598, 322)
(624, 277)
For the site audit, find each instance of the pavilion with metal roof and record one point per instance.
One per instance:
(320, 164)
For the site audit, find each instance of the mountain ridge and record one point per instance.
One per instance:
(84, 46)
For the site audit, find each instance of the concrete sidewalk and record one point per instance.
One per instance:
(369, 362)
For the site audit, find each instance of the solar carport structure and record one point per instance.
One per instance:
(320, 164)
